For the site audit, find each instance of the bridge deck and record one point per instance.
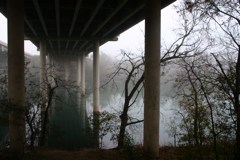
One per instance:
(71, 26)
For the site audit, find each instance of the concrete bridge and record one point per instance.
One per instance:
(78, 27)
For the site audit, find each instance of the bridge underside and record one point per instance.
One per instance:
(71, 26)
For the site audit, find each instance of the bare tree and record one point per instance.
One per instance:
(131, 66)
(52, 83)
(200, 91)
(223, 16)
(37, 119)
(206, 96)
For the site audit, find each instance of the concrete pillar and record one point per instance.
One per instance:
(96, 107)
(43, 91)
(66, 70)
(83, 59)
(152, 78)
(79, 71)
(52, 82)
(83, 115)
(16, 89)
(49, 60)
(50, 69)
(43, 75)
(66, 78)
(81, 99)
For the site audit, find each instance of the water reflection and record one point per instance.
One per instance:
(69, 126)
(68, 121)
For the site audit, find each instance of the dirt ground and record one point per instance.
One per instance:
(85, 154)
(132, 153)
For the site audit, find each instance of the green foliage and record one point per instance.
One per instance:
(206, 111)
(107, 124)
(132, 151)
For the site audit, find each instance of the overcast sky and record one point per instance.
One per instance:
(130, 40)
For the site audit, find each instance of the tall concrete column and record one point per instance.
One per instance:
(43, 75)
(16, 89)
(49, 60)
(66, 78)
(66, 70)
(79, 81)
(152, 78)
(79, 71)
(43, 92)
(50, 69)
(81, 101)
(96, 107)
(83, 59)
(50, 66)
(84, 122)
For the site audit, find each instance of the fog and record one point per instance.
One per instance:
(112, 99)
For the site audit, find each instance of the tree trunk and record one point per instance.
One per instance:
(124, 119)
(237, 106)
(32, 136)
(211, 117)
(196, 126)
(196, 114)
(42, 141)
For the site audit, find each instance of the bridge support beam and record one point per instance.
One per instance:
(66, 69)
(66, 78)
(43, 91)
(16, 89)
(43, 75)
(81, 100)
(79, 71)
(96, 107)
(51, 80)
(50, 69)
(83, 59)
(152, 79)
